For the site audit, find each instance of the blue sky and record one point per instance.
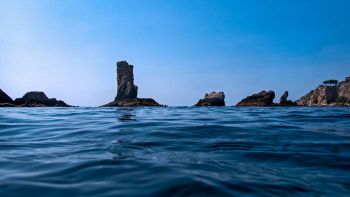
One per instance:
(181, 49)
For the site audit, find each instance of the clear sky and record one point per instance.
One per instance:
(181, 49)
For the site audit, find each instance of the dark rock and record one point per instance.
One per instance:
(263, 98)
(347, 78)
(7, 105)
(127, 90)
(38, 99)
(284, 97)
(4, 98)
(133, 103)
(37, 96)
(212, 99)
(125, 80)
(284, 100)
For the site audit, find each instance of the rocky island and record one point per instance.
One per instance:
(30, 99)
(331, 93)
(127, 90)
(212, 99)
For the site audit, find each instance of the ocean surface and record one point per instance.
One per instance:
(175, 151)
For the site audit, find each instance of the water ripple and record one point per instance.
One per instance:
(175, 151)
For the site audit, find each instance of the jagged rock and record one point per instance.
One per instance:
(133, 103)
(212, 99)
(321, 96)
(127, 90)
(4, 98)
(125, 80)
(284, 100)
(263, 98)
(38, 99)
(284, 97)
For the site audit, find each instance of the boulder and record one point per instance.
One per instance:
(262, 98)
(4, 98)
(212, 99)
(125, 80)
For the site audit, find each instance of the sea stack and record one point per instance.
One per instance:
(262, 98)
(284, 100)
(127, 90)
(212, 99)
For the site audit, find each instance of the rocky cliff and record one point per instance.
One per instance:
(127, 90)
(337, 95)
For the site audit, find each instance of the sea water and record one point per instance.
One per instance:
(175, 151)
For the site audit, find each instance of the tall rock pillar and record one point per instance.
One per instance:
(125, 80)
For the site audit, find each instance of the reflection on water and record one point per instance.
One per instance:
(127, 114)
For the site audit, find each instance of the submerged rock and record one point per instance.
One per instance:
(4, 98)
(38, 99)
(262, 98)
(212, 99)
(127, 90)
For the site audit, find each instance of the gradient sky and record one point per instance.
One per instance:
(181, 49)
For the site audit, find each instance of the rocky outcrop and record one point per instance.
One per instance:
(262, 98)
(127, 90)
(125, 80)
(212, 99)
(30, 99)
(321, 96)
(4, 98)
(338, 95)
(38, 99)
(284, 100)
(133, 103)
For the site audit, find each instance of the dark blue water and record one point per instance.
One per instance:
(171, 151)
